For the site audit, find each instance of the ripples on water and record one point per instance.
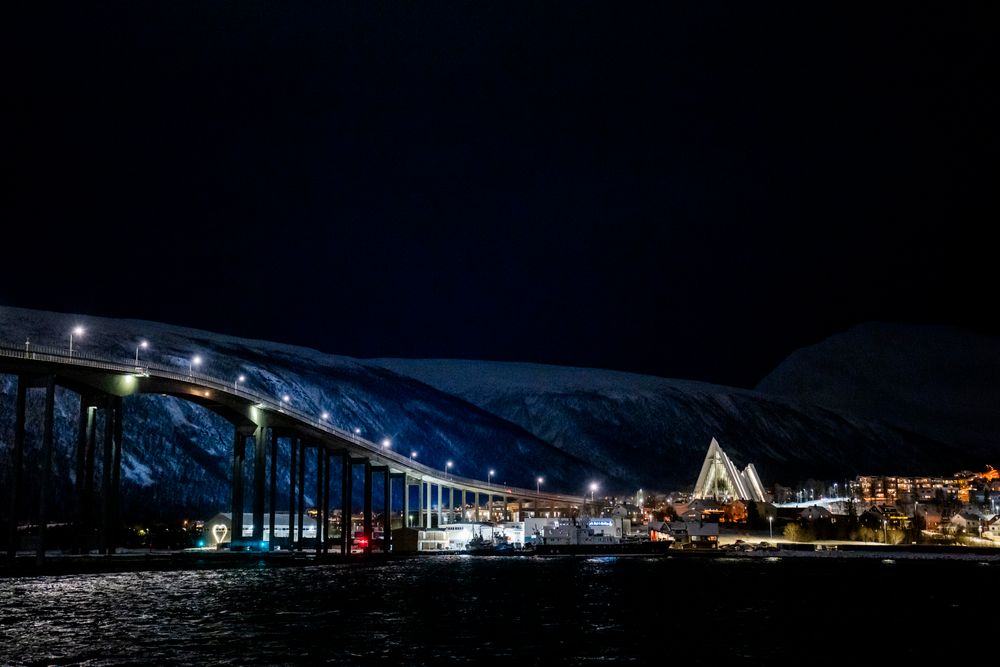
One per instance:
(455, 610)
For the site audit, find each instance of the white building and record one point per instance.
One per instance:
(218, 529)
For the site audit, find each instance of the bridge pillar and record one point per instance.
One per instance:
(293, 450)
(346, 503)
(426, 495)
(302, 491)
(406, 500)
(17, 474)
(108, 460)
(272, 496)
(369, 533)
(259, 460)
(440, 512)
(86, 426)
(320, 528)
(326, 497)
(45, 483)
(239, 456)
(116, 472)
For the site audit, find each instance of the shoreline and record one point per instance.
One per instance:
(64, 564)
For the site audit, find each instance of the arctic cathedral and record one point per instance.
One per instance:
(720, 480)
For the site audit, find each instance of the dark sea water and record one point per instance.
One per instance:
(465, 610)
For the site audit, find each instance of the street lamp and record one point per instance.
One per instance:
(885, 531)
(236, 382)
(386, 443)
(194, 361)
(75, 331)
(538, 484)
(770, 526)
(447, 467)
(413, 455)
(325, 416)
(489, 476)
(142, 344)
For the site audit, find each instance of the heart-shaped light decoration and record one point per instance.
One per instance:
(219, 532)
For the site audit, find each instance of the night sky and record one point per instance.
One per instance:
(683, 191)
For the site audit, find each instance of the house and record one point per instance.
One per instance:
(815, 513)
(991, 530)
(965, 522)
(695, 534)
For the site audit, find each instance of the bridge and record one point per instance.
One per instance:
(267, 423)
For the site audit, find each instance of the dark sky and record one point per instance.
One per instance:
(683, 191)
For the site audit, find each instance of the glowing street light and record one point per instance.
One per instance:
(236, 382)
(447, 466)
(75, 331)
(142, 344)
(194, 361)
(489, 476)
(325, 416)
(770, 527)
(593, 489)
(386, 443)
(413, 455)
(538, 485)
(286, 398)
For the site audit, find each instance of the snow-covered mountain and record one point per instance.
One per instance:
(941, 382)
(569, 425)
(656, 431)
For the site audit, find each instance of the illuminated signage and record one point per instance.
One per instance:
(601, 522)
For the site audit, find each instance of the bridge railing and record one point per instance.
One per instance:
(33, 352)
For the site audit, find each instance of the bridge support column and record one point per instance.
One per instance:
(320, 528)
(239, 455)
(259, 460)
(393, 477)
(110, 457)
(346, 504)
(293, 450)
(426, 500)
(84, 471)
(368, 506)
(386, 505)
(116, 472)
(440, 512)
(326, 498)
(302, 491)
(272, 500)
(44, 490)
(17, 474)
(406, 501)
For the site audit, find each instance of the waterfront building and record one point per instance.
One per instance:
(218, 530)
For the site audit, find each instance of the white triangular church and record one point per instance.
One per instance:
(720, 480)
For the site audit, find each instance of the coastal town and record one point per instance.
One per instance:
(727, 509)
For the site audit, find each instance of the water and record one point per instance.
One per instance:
(456, 610)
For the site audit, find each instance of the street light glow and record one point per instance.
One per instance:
(286, 398)
(78, 331)
(325, 415)
(387, 442)
(413, 455)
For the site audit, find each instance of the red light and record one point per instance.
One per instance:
(362, 541)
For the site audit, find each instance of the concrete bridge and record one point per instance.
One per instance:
(269, 423)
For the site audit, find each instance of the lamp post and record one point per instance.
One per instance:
(286, 398)
(194, 361)
(325, 416)
(386, 443)
(538, 485)
(447, 468)
(142, 344)
(770, 526)
(593, 490)
(75, 331)
(489, 476)
(885, 531)
(236, 382)
(413, 455)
